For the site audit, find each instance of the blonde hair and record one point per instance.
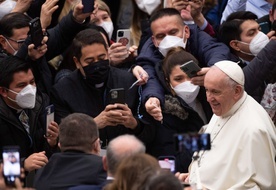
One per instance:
(67, 7)
(103, 6)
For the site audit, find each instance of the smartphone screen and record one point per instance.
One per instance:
(167, 163)
(50, 115)
(11, 162)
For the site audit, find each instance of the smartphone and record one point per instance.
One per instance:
(50, 115)
(88, 6)
(264, 27)
(167, 163)
(11, 164)
(190, 68)
(192, 142)
(36, 32)
(117, 96)
(123, 36)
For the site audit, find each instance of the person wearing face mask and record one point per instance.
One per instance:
(22, 115)
(168, 31)
(103, 18)
(86, 90)
(185, 108)
(120, 55)
(240, 32)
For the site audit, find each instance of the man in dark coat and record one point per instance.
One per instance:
(87, 90)
(79, 161)
(22, 114)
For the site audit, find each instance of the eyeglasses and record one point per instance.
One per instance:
(101, 142)
(19, 42)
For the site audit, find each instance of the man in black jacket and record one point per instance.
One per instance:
(87, 90)
(79, 161)
(22, 118)
(14, 40)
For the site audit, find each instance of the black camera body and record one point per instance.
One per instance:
(193, 142)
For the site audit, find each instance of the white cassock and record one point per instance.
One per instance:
(243, 150)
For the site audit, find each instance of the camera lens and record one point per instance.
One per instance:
(121, 34)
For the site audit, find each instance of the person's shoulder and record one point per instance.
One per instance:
(69, 81)
(86, 187)
(120, 72)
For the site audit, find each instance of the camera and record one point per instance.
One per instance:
(120, 33)
(192, 142)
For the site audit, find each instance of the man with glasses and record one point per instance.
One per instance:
(79, 161)
(14, 40)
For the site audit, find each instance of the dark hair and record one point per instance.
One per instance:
(86, 37)
(165, 12)
(77, 131)
(230, 29)
(130, 171)
(273, 6)
(100, 29)
(176, 56)
(162, 181)
(12, 21)
(9, 66)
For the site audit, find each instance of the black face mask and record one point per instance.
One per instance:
(97, 73)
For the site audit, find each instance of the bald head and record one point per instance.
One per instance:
(121, 147)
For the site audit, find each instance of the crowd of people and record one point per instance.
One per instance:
(80, 64)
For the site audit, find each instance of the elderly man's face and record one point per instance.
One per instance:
(220, 94)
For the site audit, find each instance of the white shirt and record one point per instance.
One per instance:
(258, 7)
(243, 150)
(6, 7)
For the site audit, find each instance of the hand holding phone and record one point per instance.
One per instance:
(36, 32)
(190, 68)
(11, 164)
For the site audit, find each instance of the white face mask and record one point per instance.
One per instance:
(6, 7)
(169, 42)
(257, 44)
(148, 6)
(108, 27)
(26, 97)
(187, 91)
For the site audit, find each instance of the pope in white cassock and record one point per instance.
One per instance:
(243, 137)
